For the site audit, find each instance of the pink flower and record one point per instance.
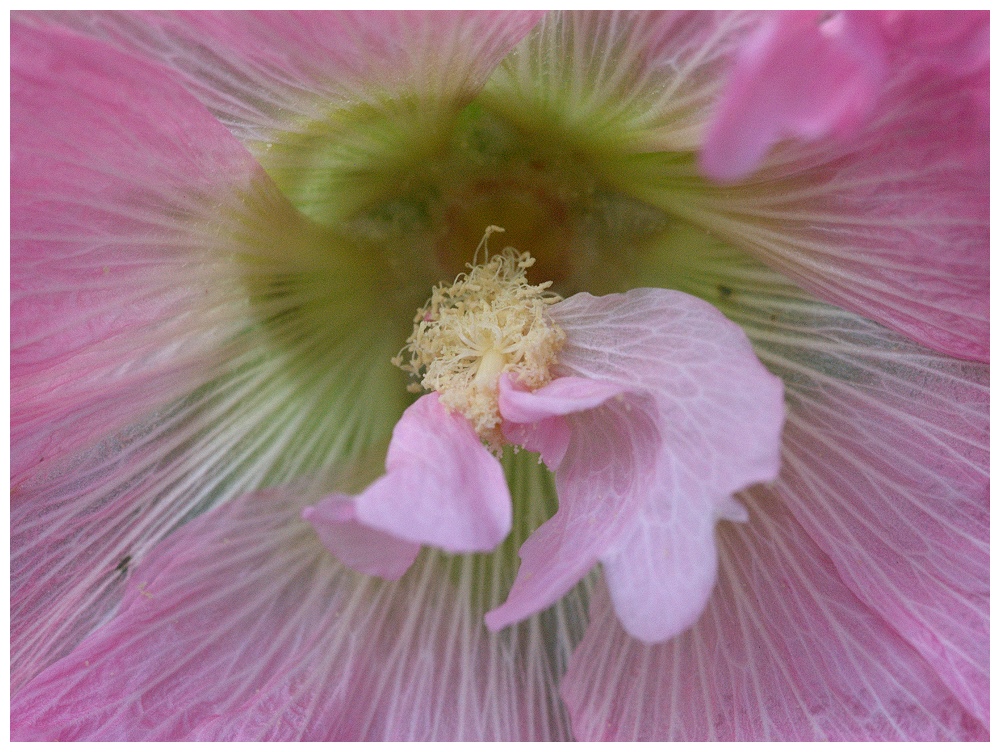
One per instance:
(221, 228)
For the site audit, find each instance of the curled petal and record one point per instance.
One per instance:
(535, 420)
(885, 463)
(891, 222)
(602, 481)
(563, 396)
(646, 476)
(442, 487)
(549, 437)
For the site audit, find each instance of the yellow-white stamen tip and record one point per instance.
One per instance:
(487, 322)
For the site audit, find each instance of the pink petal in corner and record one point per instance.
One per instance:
(736, 675)
(801, 76)
(240, 626)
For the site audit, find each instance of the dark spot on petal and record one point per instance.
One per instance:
(122, 567)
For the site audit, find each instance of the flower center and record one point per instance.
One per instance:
(487, 322)
(390, 198)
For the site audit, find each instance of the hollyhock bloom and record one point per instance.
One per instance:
(229, 521)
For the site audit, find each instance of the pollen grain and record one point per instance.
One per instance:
(489, 321)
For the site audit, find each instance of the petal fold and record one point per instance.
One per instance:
(442, 487)
(647, 475)
(535, 420)
(563, 396)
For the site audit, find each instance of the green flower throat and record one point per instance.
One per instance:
(423, 189)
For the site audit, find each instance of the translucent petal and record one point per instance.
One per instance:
(180, 336)
(442, 487)
(535, 420)
(241, 626)
(647, 475)
(885, 461)
(363, 548)
(784, 652)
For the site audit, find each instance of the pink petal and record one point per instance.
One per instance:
(535, 421)
(360, 547)
(338, 107)
(116, 176)
(601, 482)
(810, 75)
(886, 467)
(697, 365)
(241, 627)
(799, 76)
(442, 487)
(885, 464)
(646, 476)
(953, 42)
(549, 438)
(127, 203)
(563, 396)
(784, 652)
(892, 222)
(271, 72)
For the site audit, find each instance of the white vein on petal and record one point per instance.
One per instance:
(833, 363)
(617, 75)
